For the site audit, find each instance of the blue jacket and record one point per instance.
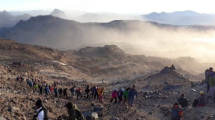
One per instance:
(132, 93)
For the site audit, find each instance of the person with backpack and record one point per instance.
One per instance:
(74, 112)
(120, 94)
(87, 91)
(212, 85)
(114, 96)
(202, 99)
(183, 101)
(125, 94)
(131, 95)
(177, 112)
(41, 112)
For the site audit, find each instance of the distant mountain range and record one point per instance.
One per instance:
(181, 18)
(9, 19)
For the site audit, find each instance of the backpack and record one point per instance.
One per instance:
(176, 114)
(45, 113)
(195, 102)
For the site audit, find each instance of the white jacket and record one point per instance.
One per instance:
(41, 115)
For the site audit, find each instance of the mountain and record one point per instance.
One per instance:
(8, 20)
(181, 18)
(64, 34)
(58, 13)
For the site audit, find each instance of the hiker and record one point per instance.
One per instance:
(101, 93)
(41, 89)
(96, 96)
(41, 112)
(56, 92)
(60, 91)
(125, 94)
(30, 83)
(202, 99)
(74, 112)
(131, 95)
(51, 90)
(207, 75)
(212, 86)
(72, 90)
(65, 95)
(47, 90)
(87, 91)
(120, 95)
(92, 90)
(177, 112)
(114, 96)
(183, 101)
(79, 92)
(35, 88)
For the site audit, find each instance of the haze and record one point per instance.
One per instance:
(149, 39)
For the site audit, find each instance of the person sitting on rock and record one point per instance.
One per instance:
(183, 101)
(74, 112)
(177, 112)
(202, 99)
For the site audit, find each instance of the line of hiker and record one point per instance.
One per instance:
(128, 95)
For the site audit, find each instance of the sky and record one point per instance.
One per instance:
(113, 6)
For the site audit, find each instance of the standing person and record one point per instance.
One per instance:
(60, 91)
(120, 94)
(41, 112)
(35, 88)
(96, 96)
(125, 94)
(212, 85)
(93, 91)
(131, 95)
(65, 93)
(87, 91)
(114, 96)
(41, 89)
(51, 90)
(202, 99)
(101, 93)
(47, 90)
(56, 92)
(78, 92)
(207, 75)
(72, 90)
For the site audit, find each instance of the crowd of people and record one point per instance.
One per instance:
(118, 95)
(96, 93)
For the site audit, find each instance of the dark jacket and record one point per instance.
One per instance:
(183, 101)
